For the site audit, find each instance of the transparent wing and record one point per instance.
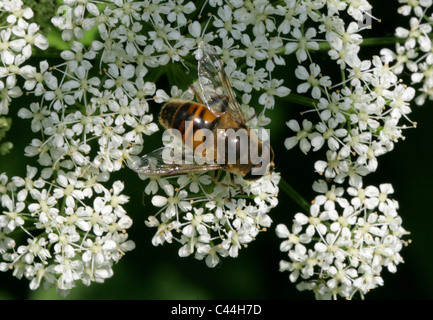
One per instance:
(162, 162)
(215, 89)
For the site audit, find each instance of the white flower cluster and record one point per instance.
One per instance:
(18, 37)
(211, 220)
(91, 112)
(359, 118)
(353, 120)
(75, 229)
(342, 246)
(84, 130)
(414, 54)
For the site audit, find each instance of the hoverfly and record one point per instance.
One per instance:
(217, 109)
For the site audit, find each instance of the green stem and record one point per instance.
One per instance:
(368, 42)
(381, 41)
(300, 100)
(343, 78)
(294, 195)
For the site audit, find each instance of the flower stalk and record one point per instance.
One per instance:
(294, 195)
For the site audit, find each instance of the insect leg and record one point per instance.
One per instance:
(253, 116)
(229, 186)
(196, 94)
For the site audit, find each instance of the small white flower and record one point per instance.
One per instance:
(302, 43)
(301, 135)
(225, 24)
(30, 33)
(327, 132)
(312, 81)
(272, 88)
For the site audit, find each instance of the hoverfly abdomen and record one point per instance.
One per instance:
(189, 118)
(186, 116)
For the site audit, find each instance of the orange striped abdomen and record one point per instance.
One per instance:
(188, 117)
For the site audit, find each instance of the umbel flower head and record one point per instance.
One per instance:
(413, 54)
(341, 247)
(74, 229)
(208, 220)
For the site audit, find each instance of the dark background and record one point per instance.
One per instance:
(150, 272)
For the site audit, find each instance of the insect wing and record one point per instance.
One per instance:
(216, 91)
(162, 162)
